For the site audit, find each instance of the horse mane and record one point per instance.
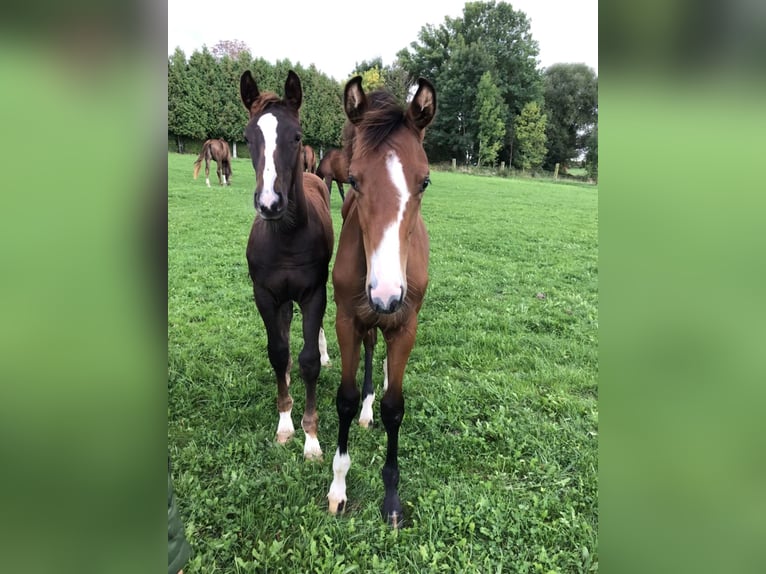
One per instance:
(383, 116)
(264, 100)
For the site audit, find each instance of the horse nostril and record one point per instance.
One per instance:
(393, 303)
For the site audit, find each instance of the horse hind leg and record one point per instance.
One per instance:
(368, 390)
(324, 357)
(207, 171)
(277, 322)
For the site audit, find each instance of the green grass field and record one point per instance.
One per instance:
(498, 448)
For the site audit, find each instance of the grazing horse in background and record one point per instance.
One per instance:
(309, 159)
(290, 246)
(381, 266)
(217, 150)
(334, 167)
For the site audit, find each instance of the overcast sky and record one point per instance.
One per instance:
(335, 35)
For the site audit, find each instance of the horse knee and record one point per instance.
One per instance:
(279, 356)
(392, 412)
(347, 402)
(309, 363)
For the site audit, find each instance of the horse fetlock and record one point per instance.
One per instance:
(365, 418)
(311, 448)
(285, 429)
(391, 510)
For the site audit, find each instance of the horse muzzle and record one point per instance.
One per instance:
(385, 299)
(271, 206)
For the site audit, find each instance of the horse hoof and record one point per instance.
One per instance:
(312, 450)
(336, 506)
(366, 423)
(283, 437)
(395, 520)
(391, 511)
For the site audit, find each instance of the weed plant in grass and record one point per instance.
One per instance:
(498, 447)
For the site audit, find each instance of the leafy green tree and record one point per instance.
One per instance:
(530, 135)
(591, 154)
(231, 114)
(492, 118)
(571, 104)
(203, 73)
(322, 115)
(187, 116)
(491, 36)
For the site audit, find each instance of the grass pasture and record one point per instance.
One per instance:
(498, 447)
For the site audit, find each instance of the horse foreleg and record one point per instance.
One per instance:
(368, 391)
(340, 189)
(310, 364)
(399, 346)
(347, 404)
(277, 322)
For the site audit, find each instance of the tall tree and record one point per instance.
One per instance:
(571, 103)
(492, 113)
(530, 135)
(187, 116)
(491, 36)
(203, 73)
(591, 154)
(230, 113)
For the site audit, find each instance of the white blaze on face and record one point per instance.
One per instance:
(386, 276)
(268, 126)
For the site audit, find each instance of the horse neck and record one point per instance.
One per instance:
(297, 199)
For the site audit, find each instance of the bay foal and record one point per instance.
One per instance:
(381, 265)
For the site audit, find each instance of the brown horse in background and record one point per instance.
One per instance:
(334, 167)
(290, 246)
(380, 274)
(217, 150)
(309, 159)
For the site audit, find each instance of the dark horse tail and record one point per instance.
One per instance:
(198, 164)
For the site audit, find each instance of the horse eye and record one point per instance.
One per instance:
(425, 184)
(352, 181)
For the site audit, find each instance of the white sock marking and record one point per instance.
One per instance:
(285, 428)
(340, 465)
(311, 448)
(365, 418)
(324, 358)
(385, 374)
(207, 181)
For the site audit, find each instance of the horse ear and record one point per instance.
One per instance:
(423, 105)
(354, 100)
(293, 90)
(248, 89)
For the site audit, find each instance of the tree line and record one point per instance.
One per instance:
(495, 103)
